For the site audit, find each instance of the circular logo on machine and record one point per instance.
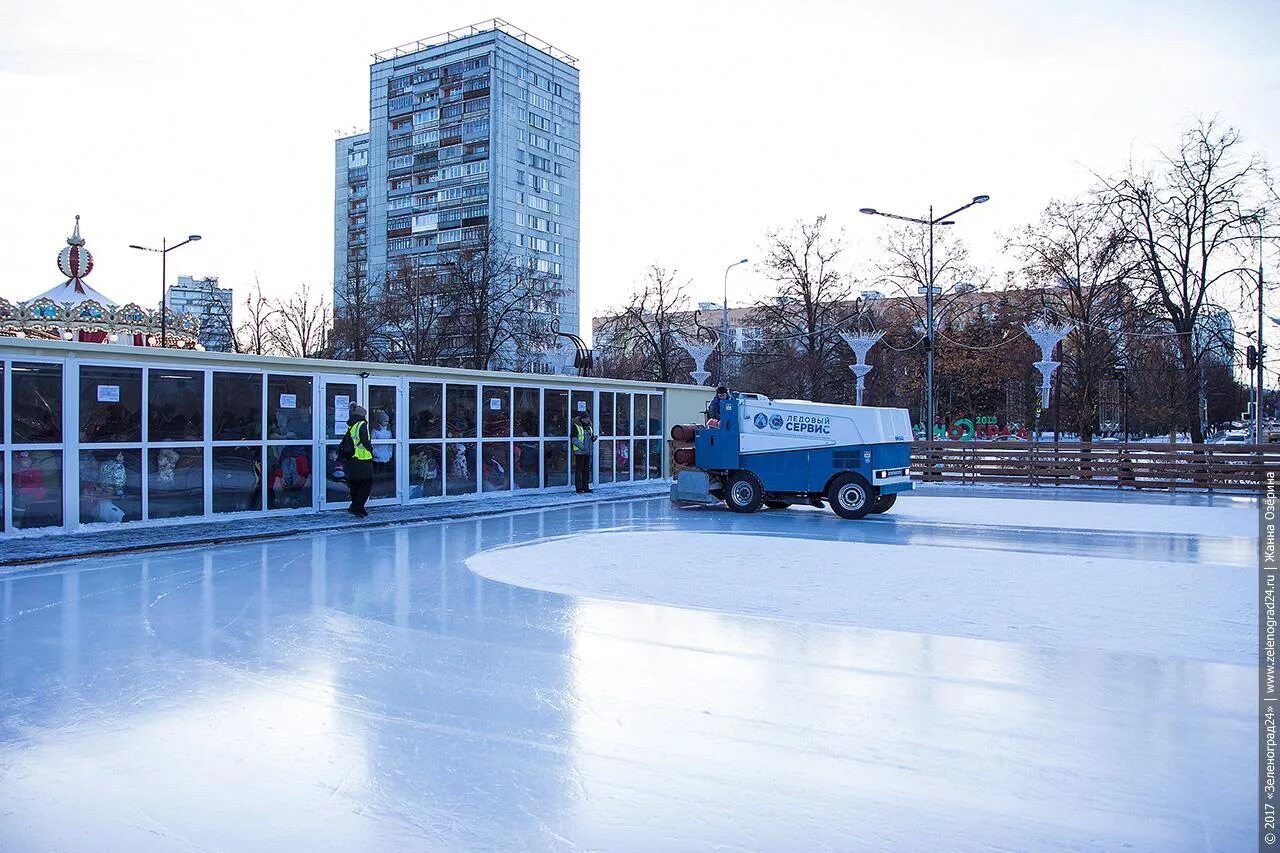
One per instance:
(761, 420)
(776, 422)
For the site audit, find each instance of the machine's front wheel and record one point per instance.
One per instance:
(743, 492)
(883, 503)
(850, 496)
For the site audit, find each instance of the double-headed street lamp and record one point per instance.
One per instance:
(929, 292)
(724, 319)
(163, 252)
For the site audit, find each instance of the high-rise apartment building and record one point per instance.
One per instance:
(211, 304)
(472, 131)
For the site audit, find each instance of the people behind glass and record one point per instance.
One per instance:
(36, 496)
(424, 472)
(380, 429)
(104, 493)
(524, 464)
(111, 422)
(289, 477)
(291, 423)
(495, 469)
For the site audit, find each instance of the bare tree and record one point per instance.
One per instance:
(497, 304)
(301, 323)
(356, 316)
(1080, 263)
(1189, 223)
(412, 312)
(254, 335)
(642, 340)
(801, 352)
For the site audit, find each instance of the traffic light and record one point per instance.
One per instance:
(1251, 357)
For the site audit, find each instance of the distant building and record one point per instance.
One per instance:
(1215, 337)
(212, 305)
(471, 131)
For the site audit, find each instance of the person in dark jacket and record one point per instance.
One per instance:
(713, 410)
(583, 436)
(359, 466)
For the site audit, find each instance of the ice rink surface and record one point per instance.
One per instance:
(965, 673)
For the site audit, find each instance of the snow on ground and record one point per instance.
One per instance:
(1059, 601)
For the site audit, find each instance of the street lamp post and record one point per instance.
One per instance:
(163, 252)
(1257, 411)
(929, 292)
(724, 318)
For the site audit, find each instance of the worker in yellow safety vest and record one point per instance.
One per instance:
(358, 460)
(583, 436)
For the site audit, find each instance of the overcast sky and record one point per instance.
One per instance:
(703, 124)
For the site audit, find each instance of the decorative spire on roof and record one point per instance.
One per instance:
(75, 261)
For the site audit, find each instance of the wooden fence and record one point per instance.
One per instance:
(1199, 467)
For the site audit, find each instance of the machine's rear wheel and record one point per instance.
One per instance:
(743, 492)
(777, 504)
(850, 496)
(883, 503)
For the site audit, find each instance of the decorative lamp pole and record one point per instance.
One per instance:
(861, 343)
(701, 351)
(1048, 335)
(163, 252)
(929, 291)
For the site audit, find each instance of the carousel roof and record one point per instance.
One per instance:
(75, 262)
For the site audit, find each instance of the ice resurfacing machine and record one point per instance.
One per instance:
(779, 452)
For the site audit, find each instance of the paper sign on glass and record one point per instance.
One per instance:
(495, 404)
(288, 401)
(582, 405)
(108, 393)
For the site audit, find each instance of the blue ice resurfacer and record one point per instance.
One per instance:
(779, 452)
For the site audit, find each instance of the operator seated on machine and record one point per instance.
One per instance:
(713, 410)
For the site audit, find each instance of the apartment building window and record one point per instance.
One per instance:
(425, 117)
(472, 128)
(539, 203)
(540, 122)
(451, 236)
(540, 101)
(404, 102)
(401, 203)
(566, 152)
(426, 137)
(561, 171)
(450, 151)
(399, 243)
(471, 235)
(403, 161)
(539, 162)
(480, 167)
(559, 91)
(476, 106)
(399, 222)
(451, 111)
(401, 123)
(449, 172)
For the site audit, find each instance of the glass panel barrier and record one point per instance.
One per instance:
(497, 466)
(237, 477)
(460, 412)
(37, 487)
(37, 409)
(526, 412)
(425, 409)
(175, 405)
(496, 401)
(289, 476)
(460, 472)
(111, 484)
(175, 482)
(289, 408)
(526, 457)
(556, 454)
(426, 479)
(237, 407)
(110, 404)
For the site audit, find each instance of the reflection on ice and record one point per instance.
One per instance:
(365, 691)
